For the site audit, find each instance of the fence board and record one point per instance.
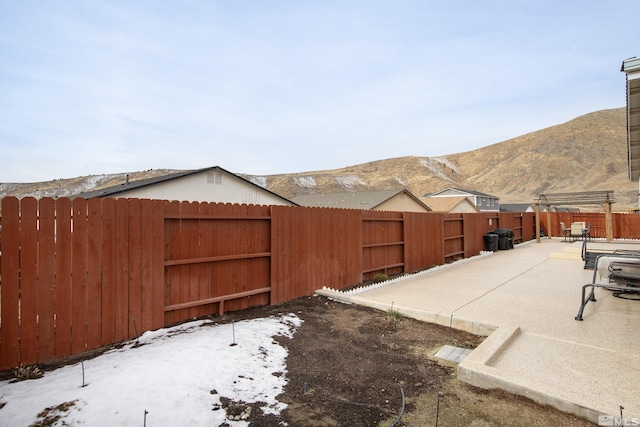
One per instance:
(172, 251)
(186, 233)
(79, 260)
(63, 277)
(195, 249)
(213, 248)
(202, 250)
(108, 288)
(46, 277)
(94, 274)
(10, 291)
(135, 266)
(122, 270)
(147, 254)
(28, 275)
(157, 283)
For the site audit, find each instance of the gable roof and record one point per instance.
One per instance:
(515, 207)
(461, 191)
(447, 204)
(365, 200)
(113, 191)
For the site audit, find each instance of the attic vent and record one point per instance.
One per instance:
(214, 178)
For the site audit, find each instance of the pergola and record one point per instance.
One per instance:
(601, 198)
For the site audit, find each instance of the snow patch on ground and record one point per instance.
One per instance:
(400, 181)
(305, 181)
(178, 375)
(446, 163)
(429, 164)
(260, 181)
(349, 181)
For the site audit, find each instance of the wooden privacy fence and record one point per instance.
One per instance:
(625, 225)
(76, 275)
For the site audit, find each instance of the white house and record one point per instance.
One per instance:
(631, 67)
(213, 184)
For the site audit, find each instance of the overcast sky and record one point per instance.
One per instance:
(265, 87)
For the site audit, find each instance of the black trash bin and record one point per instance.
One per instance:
(505, 238)
(491, 242)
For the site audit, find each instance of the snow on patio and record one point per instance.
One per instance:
(176, 374)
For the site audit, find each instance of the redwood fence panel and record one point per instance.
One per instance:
(72, 276)
(424, 240)
(308, 254)
(382, 243)
(453, 237)
(625, 225)
(217, 257)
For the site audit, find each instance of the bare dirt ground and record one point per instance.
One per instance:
(350, 366)
(355, 366)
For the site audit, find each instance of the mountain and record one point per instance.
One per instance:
(70, 186)
(585, 154)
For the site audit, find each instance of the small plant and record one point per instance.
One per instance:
(23, 372)
(380, 277)
(394, 314)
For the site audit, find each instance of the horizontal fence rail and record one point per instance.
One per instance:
(76, 275)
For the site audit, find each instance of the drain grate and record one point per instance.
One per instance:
(452, 354)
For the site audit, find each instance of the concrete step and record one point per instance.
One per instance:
(569, 252)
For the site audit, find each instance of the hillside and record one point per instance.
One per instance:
(584, 154)
(587, 153)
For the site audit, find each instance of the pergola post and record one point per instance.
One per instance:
(537, 222)
(608, 221)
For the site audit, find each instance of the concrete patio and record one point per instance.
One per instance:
(526, 300)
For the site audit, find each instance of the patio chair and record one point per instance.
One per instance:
(565, 232)
(576, 231)
(586, 233)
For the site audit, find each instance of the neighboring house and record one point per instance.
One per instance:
(564, 209)
(454, 204)
(212, 184)
(631, 67)
(392, 200)
(520, 207)
(484, 202)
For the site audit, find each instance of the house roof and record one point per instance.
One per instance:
(630, 65)
(515, 207)
(113, 191)
(447, 204)
(460, 190)
(365, 200)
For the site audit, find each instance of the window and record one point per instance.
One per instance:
(214, 178)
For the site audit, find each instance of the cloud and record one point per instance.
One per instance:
(278, 87)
